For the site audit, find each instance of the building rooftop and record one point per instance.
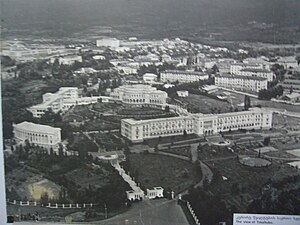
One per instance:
(37, 127)
(133, 121)
(185, 72)
(241, 77)
(256, 70)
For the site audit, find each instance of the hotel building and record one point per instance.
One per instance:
(239, 82)
(139, 95)
(41, 135)
(182, 76)
(200, 124)
(59, 101)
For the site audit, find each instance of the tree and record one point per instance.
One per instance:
(167, 109)
(60, 150)
(291, 89)
(44, 198)
(267, 141)
(247, 102)
(215, 69)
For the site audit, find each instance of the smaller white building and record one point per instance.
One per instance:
(156, 192)
(41, 135)
(68, 59)
(135, 195)
(182, 94)
(149, 78)
(99, 57)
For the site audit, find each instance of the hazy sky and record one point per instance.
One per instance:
(56, 13)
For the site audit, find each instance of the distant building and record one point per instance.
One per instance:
(210, 88)
(149, 78)
(139, 95)
(99, 57)
(126, 70)
(156, 192)
(182, 94)
(245, 83)
(224, 65)
(264, 73)
(68, 59)
(41, 135)
(86, 70)
(293, 97)
(182, 76)
(200, 124)
(289, 83)
(288, 62)
(253, 67)
(108, 42)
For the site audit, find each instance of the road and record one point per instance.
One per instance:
(151, 212)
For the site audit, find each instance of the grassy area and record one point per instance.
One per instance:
(204, 104)
(164, 140)
(109, 141)
(292, 108)
(238, 190)
(177, 174)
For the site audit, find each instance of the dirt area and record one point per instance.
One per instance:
(28, 183)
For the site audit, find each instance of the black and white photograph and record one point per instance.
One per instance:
(150, 112)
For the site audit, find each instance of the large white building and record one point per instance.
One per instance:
(59, 101)
(41, 135)
(139, 95)
(200, 124)
(240, 82)
(182, 76)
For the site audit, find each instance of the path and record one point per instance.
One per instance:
(206, 174)
(126, 177)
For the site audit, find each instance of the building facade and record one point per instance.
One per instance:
(200, 124)
(149, 78)
(240, 82)
(41, 135)
(264, 73)
(156, 192)
(182, 76)
(139, 95)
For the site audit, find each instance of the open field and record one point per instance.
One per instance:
(177, 174)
